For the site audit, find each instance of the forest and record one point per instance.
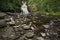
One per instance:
(50, 6)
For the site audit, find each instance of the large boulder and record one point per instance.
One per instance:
(2, 15)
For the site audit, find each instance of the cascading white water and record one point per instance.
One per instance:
(24, 8)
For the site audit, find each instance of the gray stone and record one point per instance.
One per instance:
(12, 22)
(21, 32)
(7, 20)
(43, 34)
(30, 34)
(3, 23)
(17, 28)
(9, 33)
(28, 39)
(25, 26)
(40, 38)
(46, 26)
(11, 14)
(2, 15)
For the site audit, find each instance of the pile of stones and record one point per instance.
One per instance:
(15, 26)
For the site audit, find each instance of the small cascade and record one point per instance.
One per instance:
(24, 8)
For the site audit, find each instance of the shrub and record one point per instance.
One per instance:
(44, 5)
(10, 5)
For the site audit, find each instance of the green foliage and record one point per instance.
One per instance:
(45, 5)
(35, 5)
(54, 5)
(10, 5)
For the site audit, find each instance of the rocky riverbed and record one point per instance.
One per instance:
(16, 26)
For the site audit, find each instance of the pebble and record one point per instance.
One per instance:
(25, 26)
(12, 22)
(47, 38)
(9, 33)
(40, 38)
(22, 22)
(30, 34)
(16, 26)
(46, 26)
(48, 34)
(34, 21)
(33, 28)
(3, 23)
(7, 20)
(2, 15)
(43, 34)
(28, 39)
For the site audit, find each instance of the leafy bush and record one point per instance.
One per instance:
(44, 5)
(10, 5)
(54, 5)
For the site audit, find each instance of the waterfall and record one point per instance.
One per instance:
(24, 8)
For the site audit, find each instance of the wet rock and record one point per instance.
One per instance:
(47, 38)
(47, 34)
(46, 26)
(57, 23)
(59, 34)
(22, 22)
(2, 15)
(17, 28)
(3, 23)
(40, 38)
(33, 28)
(21, 32)
(30, 34)
(12, 22)
(28, 39)
(7, 20)
(25, 26)
(34, 24)
(43, 34)
(9, 33)
(12, 14)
